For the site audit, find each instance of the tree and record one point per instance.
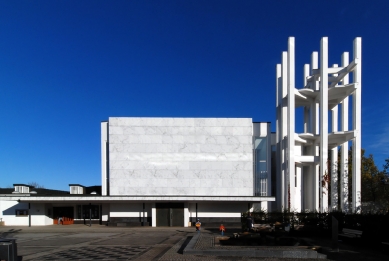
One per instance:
(371, 179)
(35, 184)
(373, 189)
(386, 169)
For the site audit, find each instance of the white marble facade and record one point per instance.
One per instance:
(178, 156)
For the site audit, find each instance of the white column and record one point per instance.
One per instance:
(306, 108)
(264, 206)
(334, 177)
(298, 190)
(186, 214)
(291, 122)
(315, 129)
(266, 126)
(357, 79)
(279, 176)
(153, 215)
(323, 123)
(284, 124)
(305, 176)
(344, 205)
(334, 159)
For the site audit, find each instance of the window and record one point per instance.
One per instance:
(73, 190)
(21, 212)
(260, 166)
(83, 211)
(22, 189)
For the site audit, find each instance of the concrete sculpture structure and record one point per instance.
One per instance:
(304, 167)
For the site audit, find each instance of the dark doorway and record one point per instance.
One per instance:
(85, 212)
(64, 212)
(170, 214)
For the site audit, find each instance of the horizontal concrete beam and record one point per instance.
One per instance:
(103, 199)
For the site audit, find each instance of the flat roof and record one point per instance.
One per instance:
(106, 199)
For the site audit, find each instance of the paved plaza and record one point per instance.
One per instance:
(80, 242)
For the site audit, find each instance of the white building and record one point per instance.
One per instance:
(168, 172)
(171, 171)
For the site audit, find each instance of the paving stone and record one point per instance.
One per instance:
(143, 243)
(96, 253)
(59, 241)
(26, 251)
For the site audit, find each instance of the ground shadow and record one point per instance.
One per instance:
(186, 242)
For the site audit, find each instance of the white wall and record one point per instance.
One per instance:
(37, 211)
(180, 156)
(39, 215)
(126, 210)
(219, 209)
(104, 140)
(8, 209)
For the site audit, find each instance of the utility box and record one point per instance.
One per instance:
(8, 249)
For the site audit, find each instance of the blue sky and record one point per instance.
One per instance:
(65, 66)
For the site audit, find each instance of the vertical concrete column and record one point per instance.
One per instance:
(266, 131)
(305, 177)
(298, 190)
(291, 122)
(357, 79)
(306, 108)
(314, 169)
(153, 215)
(263, 206)
(323, 123)
(279, 177)
(334, 159)
(284, 130)
(186, 214)
(344, 205)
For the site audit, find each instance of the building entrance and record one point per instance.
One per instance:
(170, 214)
(63, 212)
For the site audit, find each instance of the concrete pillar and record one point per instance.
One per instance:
(357, 79)
(323, 124)
(266, 130)
(306, 108)
(284, 130)
(304, 175)
(279, 177)
(186, 214)
(153, 215)
(344, 205)
(291, 122)
(298, 190)
(315, 129)
(334, 159)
